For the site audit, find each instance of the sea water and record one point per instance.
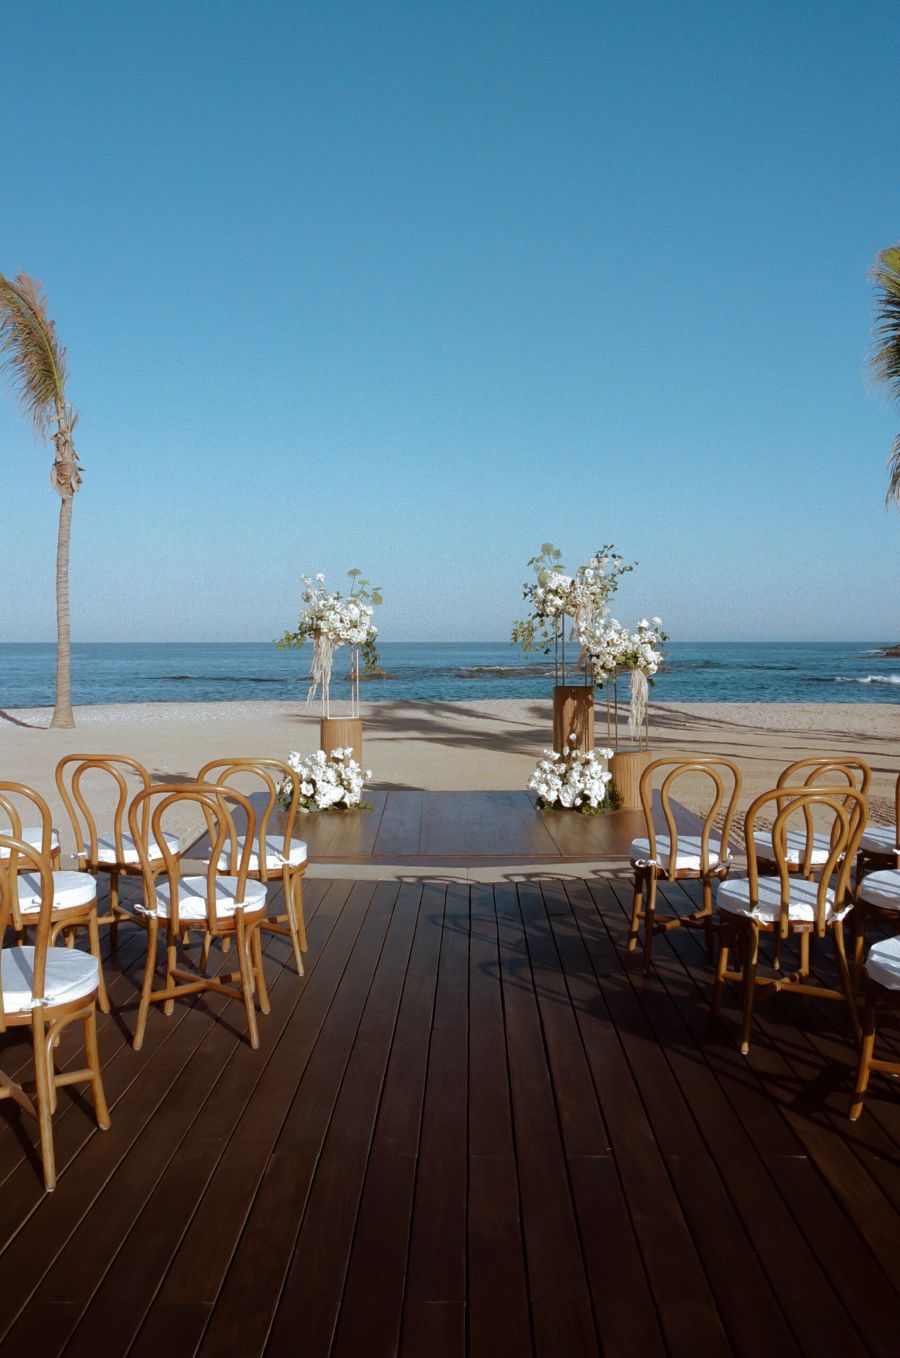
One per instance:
(776, 672)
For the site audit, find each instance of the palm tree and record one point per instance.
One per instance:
(886, 357)
(35, 363)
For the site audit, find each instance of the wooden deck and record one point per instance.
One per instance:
(422, 828)
(473, 1128)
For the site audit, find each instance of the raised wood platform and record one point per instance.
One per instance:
(473, 1128)
(422, 828)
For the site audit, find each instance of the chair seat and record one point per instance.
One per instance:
(192, 897)
(70, 975)
(687, 853)
(71, 890)
(880, 839)
(734, 898)
(106, 849)
(883, 962)
(33, 835)
(795, 847)
(881, 889)
(275, 858)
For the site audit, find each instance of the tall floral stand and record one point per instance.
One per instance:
(573, 713)
(626, 767)
(341, 733)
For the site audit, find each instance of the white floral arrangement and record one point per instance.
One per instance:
(554, 596)
(330, 619)
(328, 782)
(609, 647)
(574, 780)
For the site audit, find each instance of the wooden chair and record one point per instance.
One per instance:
(275, 854)
(228, 904)
(876, 900)
(74, 893)
(879, 848)
(671, 855)
(882, 990)
(805, 850)
(45, 989)
(112, 850)
(789, 903)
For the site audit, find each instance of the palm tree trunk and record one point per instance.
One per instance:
(62, 711)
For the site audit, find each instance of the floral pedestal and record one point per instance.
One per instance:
(341, 733)
(626, 767)
(573, 714)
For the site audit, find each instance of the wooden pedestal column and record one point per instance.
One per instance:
(573, 711)
(341, 733)
(626, 767)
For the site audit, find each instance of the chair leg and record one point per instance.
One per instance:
(292, 890)
(840, 957)
(721, 968)
(858, 920)
(298, 912)
(804, 953)
(43, 1081)
(751, 960)
(865, 1057)
(708, 917)
(93, 1059)
(171, 963)
(147, 986)
(261, 990)
(636, 902)
(113, 908)
(204, 951)
(246, 977)
(649, 921)
(94, 938)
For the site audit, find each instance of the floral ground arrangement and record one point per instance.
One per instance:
(574, 780)
(327, 782)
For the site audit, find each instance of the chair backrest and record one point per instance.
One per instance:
(725, 781)
(213, 801)
(16, 798)
(16, 856)
(71, 774)
(828, 771)
(846, 808)
(226, 772)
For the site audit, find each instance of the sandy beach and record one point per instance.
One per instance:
(449, 746)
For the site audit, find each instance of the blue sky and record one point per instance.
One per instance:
(417, 287)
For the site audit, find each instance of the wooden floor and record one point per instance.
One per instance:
(472, 1128)
(408, 827)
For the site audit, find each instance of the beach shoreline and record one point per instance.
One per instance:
(448, 746)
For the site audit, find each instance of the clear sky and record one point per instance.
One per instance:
(419, 286)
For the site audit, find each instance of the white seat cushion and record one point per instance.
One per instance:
(70, 974)
(879, 839)
(106, 848)
(734, 897)
(883, 962)
(70, 890)
(192, 893)
(687, 852)
(881, 889)
(795, 847)
(33, 835)
(275, 859)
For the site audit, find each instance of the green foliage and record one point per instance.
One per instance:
(886, 355)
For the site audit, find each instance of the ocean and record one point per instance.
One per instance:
(763, 672)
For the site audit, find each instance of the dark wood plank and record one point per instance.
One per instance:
(482, 825)
(400, 828)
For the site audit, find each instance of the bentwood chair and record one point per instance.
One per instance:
(222, 904)
(74, 904)
(112, 850)
(786, 903)
(882, 991)
(45, 989)
(670, 855)
(805, 850)
(877, 901)
(275, 854)
(879, 847)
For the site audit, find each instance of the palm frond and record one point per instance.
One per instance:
(30, 350)
(893, 490)
(886, 355)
